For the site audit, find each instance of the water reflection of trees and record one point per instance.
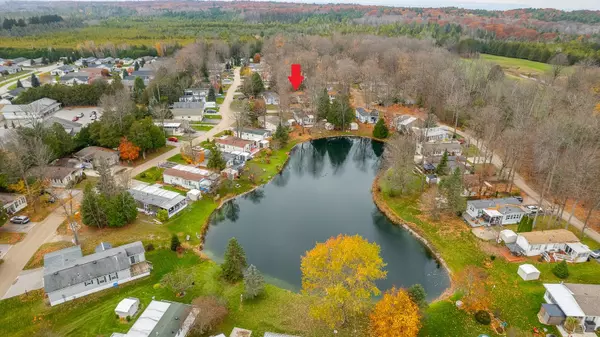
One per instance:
(363, 153)
(281, 179)
(338, 149)
(255, 196)
(230, 211)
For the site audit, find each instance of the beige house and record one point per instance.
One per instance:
(13, 203)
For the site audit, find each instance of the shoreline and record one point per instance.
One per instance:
(377, 200)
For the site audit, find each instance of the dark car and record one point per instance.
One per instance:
(19, 219)
(519, 198)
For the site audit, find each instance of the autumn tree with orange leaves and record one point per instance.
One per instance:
(128, 151)
(341, 275)
(395, 315)
(472, 282)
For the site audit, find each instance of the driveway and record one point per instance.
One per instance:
(27, 280)
(14, 228)
(4, 249)
(531, 194)
(20, 253)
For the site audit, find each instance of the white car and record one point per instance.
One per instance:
(80, 115)
(595, 254)
(534, 209)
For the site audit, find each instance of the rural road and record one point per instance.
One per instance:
(528, 190)
(18, 256)
(4, 88)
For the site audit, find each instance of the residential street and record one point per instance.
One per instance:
(4, 88)
(529, 191)
(225, 123)
(18, 256)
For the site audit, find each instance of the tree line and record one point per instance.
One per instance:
(9, 23)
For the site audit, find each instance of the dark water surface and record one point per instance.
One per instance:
(324, 190)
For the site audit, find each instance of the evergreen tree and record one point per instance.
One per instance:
(220, 90)
(211, 94)
(138, 89)
(254, 283)
(215, 159)
(204, 71)
(92, 214)
(257, 84)
(452, 188)
(121, 209)
(175, 242)
(35, 82)
(341, 113)
(235, 262)
(561, 270)
(136, 66)
(442, 165)
(323, 105)
(381, 130)
(124, 73)
(281, 135)
(418, 295)
(19, 84)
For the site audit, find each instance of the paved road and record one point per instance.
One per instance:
(20, 253)
(4, 88)
(225, 123)
(528, 190)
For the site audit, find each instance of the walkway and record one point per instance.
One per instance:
(525, 188)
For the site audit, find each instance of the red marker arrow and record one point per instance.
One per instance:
(296, 78)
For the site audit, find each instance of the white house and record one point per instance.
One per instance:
(271, 98)
(23, 114)
(63, 70)
(405, 123)
(256, 135)
(436, 134)
(75, 78)
(364, 116)
(92, 155)
(63, 177)
(12, 69)
(505, 211)
(152, 198)
(189, 111)
(581, 301)
(185, 176)
(553, 245)
(162, 319)
(232, 144)
(13, 203)
(69, 275)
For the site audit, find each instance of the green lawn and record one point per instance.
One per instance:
(177, 159)
(220, 100)
(213, 116)
(12, 77)
(459, 248)
(518, 65)
(151, 175)
(272, 107)
(201, 127)
(470, 151)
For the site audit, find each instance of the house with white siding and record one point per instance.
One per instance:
(232, 144)
(489, 212)
(552, 245)
(68, 274)
(185, 176)
(579, 301)
(163, 319)
(13, 203)
(152, 198)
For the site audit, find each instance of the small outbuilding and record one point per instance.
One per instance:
(508, 236)
(328, 126)
(528, 272)
(194, 195)
(353, 126)
(127, 307)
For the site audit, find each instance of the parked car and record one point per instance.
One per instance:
(173, 139)
(19, 219)
(595, 254)
(75, 119)
(80, 115)
(93, 118)
(93, 113)
(211, 111)
(519, 198)
(533, 209)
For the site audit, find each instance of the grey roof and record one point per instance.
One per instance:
(102, 247)
(172, 320)
(81, 76)
(587, 297)
(7, 198)
(16, 92)
(95, 152)
(189, 105)
(509, 209)
(553, 310)
(363, 112)
(487, 203)
(142, 72)
(19, 60)
(67, 67)
(66, 124)
(258, 132)
(156, 196)
(67, 269)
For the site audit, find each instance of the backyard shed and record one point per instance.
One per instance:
(528, 272)
(194, 194)
(353, 126)
(508, 236)
(127, 307)
(551, 314)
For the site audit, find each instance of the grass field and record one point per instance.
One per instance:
(220, 100)
(207, 116)
(151, 175)
(202, 127)
(11, 238)
(518, 66)
(177, 159)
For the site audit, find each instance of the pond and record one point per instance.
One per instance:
(324, 190)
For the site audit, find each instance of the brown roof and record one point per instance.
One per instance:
(550, 236)
(183, 174)
(587, 296)
(234, 141)
(58, 172)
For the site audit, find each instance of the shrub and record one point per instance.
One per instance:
(492, 257)
(175, 242)
(162, 215)
(483, 317)
(380, 130)
(149, 247)
(561, 270)
(128, 318)
(117, 316)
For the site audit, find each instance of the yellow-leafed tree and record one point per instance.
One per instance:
(395, 315)
(341, 275)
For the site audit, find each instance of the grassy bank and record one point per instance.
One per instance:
(513, 300)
